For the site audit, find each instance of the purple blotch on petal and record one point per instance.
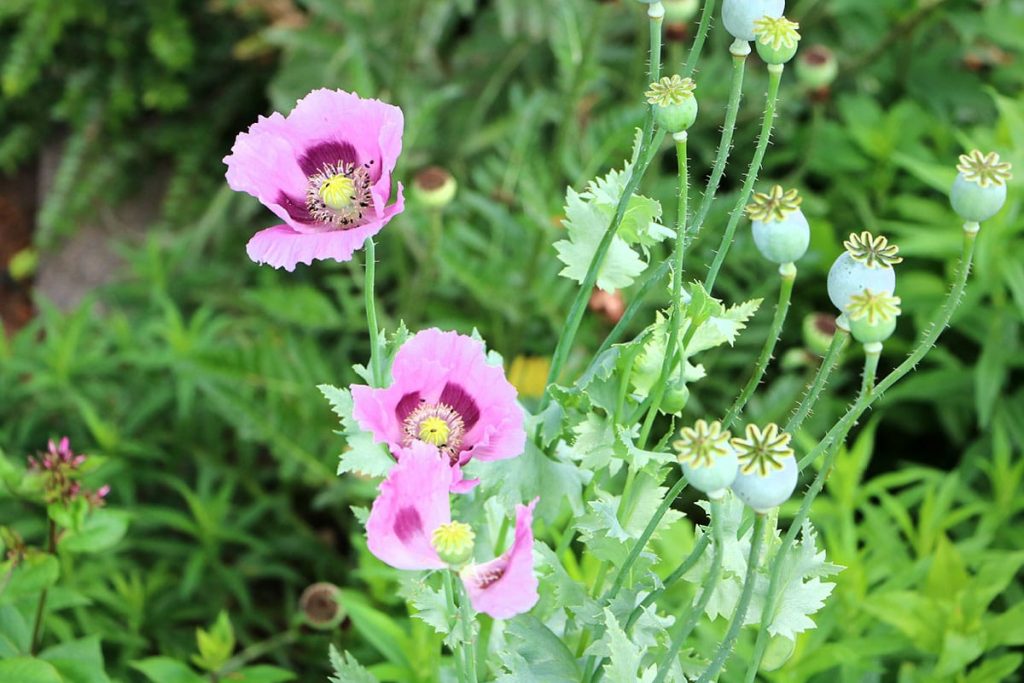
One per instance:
(406, 405)
(459, 399)
(331, 152)
(407, 524)
(297, 210)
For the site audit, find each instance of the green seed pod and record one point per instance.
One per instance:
(872, 316)
(781, 231)
(321, 608)
(675, 107)
(675, 398)
(768, 470)
(979, 190)
(707, 457)
(680, 11)
(453, 542)
(818, 330)
(777, 39)
(816, 67)
(739, 16)
(778, 652)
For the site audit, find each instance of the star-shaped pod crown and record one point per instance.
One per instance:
(777, 32)
(875, 308)
(874, 252)
(671, 90)
(984, 169)
(762, 450)
(700, 444)
(775, 205)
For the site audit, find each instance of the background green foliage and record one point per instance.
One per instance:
(195, 374)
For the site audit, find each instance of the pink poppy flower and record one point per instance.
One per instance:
(325, 170)
(414, 506)
(445, 392)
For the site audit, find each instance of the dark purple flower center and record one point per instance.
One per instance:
(443, 424)
(338, 187)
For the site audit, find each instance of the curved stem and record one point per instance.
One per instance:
(774, 78)
(371, 312)
(648, 147)
(685, 627)
(724, 144)
(676, 314)
(835, 436)
(788, 276)
(702, 34)
(740, 613)
(828, 364)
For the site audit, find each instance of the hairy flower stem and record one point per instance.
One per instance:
(656, 14)
(828, 364)
(676, 314)
(787, 277)
(685, 626)
(774, 78)
(739, 61)
(449, 599)
(740, 613)
(835, 436)
(466, 617)
(371, 312)
(702, 35)
(648, 148)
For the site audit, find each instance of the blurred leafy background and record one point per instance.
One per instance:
(193, 371)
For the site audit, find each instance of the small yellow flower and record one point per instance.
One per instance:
(529, 375)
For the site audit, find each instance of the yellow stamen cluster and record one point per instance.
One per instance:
(700, 444)
(874, 252)
(775, 205)
(671, 90)
(880, 307)
(984, 169)
(776, 32)
(762, 450)
(337, 191)
(434, 431)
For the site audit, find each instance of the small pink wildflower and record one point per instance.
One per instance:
(325, 170)
(59, 465)
(445, 393)
(414, 503)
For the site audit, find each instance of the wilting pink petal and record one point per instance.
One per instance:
(413, 502)
(283, 160)
(506, 586)
(445, 375)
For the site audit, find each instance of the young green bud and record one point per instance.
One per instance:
(675, 107)
(777, 39)
(818, 330)
(979, 190)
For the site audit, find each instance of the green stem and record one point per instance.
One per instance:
(371, 312)
(698, 42)
(685, 627)
(468, 649)
(739, 61)
(828, 364)
(675, 316)
(449, 599)
(656, 15)
(774, 78)
(648, 147)
(788, 277)
(835, 436)
(37, 627)
(740, 614)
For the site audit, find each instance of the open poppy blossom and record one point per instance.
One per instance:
(444, 393)
(325, 170)
(410, 527)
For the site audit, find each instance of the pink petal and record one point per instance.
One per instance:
(506, 586)
(283, 247)
(413, 502)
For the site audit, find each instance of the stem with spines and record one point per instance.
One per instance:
(829, 445)
(774, 79)
(702, 34)
(371, 313)
(787, 273)
(828, 364)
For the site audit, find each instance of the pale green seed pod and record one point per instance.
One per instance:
(979, 190)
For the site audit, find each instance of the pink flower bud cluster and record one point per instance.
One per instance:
(60, 466)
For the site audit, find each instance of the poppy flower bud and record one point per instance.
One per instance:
(816, 67)
(434, 187)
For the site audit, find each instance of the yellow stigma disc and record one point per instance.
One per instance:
(434, 431)
(337, 191)
(453, 541)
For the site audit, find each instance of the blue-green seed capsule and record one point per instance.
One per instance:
(866, 264)
(777, 39)
(872, 316)
(781, 232)
(739, 16)
(979, 190)
(707, 457)
(675, 107)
